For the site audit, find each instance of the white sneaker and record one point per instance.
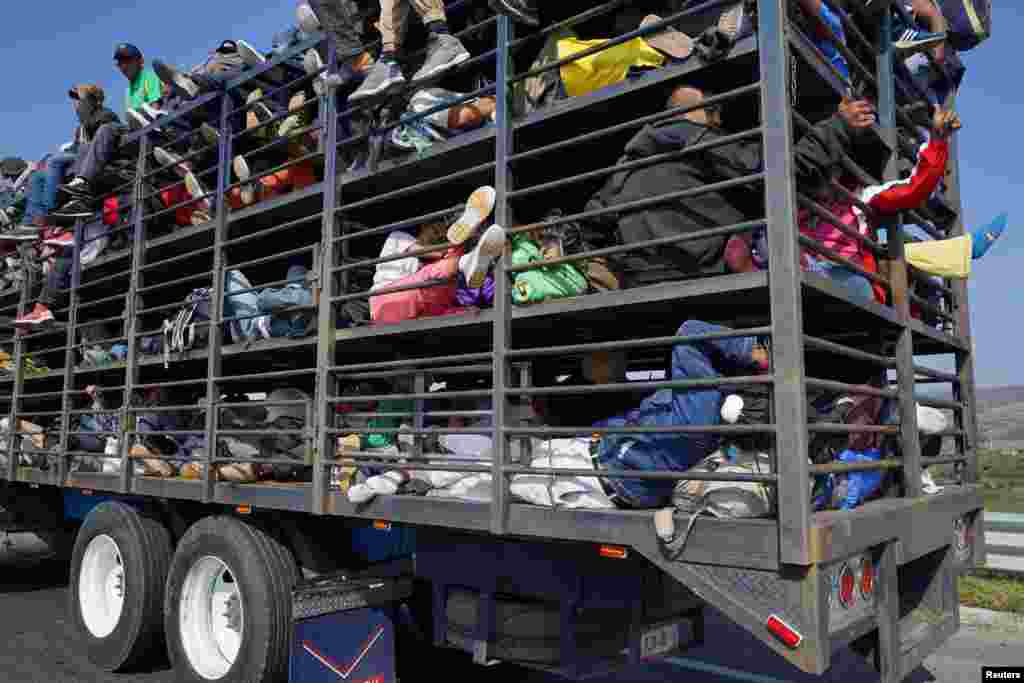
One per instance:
(306, 18)
(112, 447)
(242, 172)
(475, 264)
(928, 485)
(249, 54)
(167, 159)
(478, 209)
(263, 326)
(313, 64)
(153, 112)
(137, 120)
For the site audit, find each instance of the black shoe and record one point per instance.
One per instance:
(73, 210)
(520, 10)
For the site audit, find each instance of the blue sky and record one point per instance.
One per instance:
(53, 45)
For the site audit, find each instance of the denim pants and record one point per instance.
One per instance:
(672, 407)
(853, 282)
(295, 293)
(41, 193)
(238, 302)
(105, 147)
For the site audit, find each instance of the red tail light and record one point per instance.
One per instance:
(867, 578)
(789, 636)
(847, 586)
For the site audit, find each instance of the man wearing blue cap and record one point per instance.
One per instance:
(144, 86)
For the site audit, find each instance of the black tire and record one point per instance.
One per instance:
(145, 549)
(265, 574)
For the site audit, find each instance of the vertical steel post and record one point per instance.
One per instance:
(502, 309)
(326, 337)
(18, 386)
(132, 306)
(964, 390)
(888, 659)
(910, 442)
(67, 402)
(215, 343)
(784, 281)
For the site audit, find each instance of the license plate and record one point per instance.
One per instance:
(659, 641)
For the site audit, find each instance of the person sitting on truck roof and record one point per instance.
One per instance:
(707, 210)
(699, 360)
(444, 50)
(58, 279)
(144, 87)
(824, 19)
(819, 156)
(344, 23)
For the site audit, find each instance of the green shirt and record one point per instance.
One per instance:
(146, 88)
(387, 439)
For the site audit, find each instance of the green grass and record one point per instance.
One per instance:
(1002, 480)
(1002, 476)
(990, 591)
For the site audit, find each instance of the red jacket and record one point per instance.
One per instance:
(885, 199)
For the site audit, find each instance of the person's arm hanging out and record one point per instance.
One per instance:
(912, 192)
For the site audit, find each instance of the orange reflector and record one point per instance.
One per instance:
(614, 552)
(381, 525)
(244, 509)
(784, 632)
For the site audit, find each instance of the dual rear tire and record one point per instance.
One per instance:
(219, 605)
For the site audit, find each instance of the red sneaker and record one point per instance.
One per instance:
(37, 316)
(61, 240)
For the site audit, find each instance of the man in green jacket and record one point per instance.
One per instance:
(144, 86)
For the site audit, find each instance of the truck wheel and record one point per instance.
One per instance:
(118, 570)
(228, 603)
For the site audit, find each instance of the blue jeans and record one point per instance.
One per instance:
(672, 407)
(244, 304)
(41, 194)
(57, 167)
(850, 280)
(295, 293)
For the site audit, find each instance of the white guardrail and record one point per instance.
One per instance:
(1004, 538)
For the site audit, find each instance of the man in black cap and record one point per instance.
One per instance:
(144, 86)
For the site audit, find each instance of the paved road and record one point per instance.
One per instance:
(37, 644)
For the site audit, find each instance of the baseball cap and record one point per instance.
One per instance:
(227, 47)
(127, 51)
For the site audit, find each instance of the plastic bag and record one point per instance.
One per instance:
(849, 490)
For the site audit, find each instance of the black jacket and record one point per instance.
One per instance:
(91, 114)
(708, 210)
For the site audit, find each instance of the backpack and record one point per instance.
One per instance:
(182, 333)
(969, 22)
